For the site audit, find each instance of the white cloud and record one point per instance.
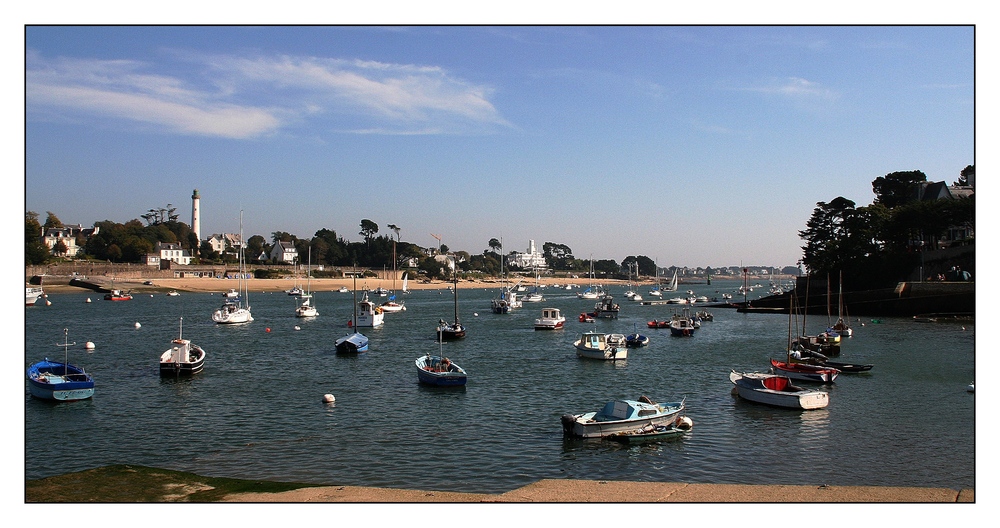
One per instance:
(238, 97)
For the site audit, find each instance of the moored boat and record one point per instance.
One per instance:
(655, 433)
(804, 371)
(183, 358)
(52, 380)
(452, 331)
(439, 370)
(31, 295)
(776, 390)
(606, 307)
(236, 308)
(598, 345)
(356, 342)
(619, 416)
(551, 319)
(118, 295)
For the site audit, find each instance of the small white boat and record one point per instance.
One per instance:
(772, 389)
(551, 319)
(305, 307)
(231, 294)
(31, 295)
(233, 310)
(598, 345)
(183, 358)
(172, 293)
(344, 289)
(369, 314)
(621, 416)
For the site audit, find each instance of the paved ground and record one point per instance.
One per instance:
(561, 491)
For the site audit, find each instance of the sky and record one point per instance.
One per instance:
(693, 145)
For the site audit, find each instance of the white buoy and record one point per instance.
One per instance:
(88, 300)
(151, 295)
(971, 387)
(297, 327)
(328, 398)
(137, 325)
(49, 303)
(475, 314)
(89, 345)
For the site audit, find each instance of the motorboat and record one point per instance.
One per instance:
(440, 371)
(369, 314)
(551, 319)
(606, 307)
(118, 295)
(355, 342)
(619, 416)
(683, 324)
(31, 295)
(183, 358)
(598, 345)
(777, 390)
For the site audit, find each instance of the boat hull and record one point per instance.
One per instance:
(804, 372)
(752, 387)
(50, 380)
(431, 372)
(657, 433)
(591, 425)
(234, 316)
(355, 343)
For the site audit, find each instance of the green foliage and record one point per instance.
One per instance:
(35, 251)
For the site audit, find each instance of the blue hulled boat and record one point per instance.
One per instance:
(52, 380)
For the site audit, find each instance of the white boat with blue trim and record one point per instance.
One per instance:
(620, 416)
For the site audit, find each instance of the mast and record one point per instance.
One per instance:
(455, 275)
(66, 344)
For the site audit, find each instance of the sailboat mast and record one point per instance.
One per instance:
(455, 287)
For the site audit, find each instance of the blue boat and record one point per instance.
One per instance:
(52, 380)
(357, 342)
(440, 371)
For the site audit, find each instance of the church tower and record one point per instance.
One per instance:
(196, 214)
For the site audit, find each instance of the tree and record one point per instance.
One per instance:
(963, 177)
(35, 251)
(557, 256)
(281, 236)
(368, 229)
(160, 215)
(897, 188)
(52, 221)
(825, 232)
(496, 246)
(254, 246)
(207, 253)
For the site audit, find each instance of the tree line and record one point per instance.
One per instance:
(881, 243)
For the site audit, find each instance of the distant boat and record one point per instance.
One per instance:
(231, 294)
(31, 295)
(52, 380)
(369, 314)
(183, 358)
(118, 295)
(306, 308)
(635, 339)
(343, 289)
(598, 345)
(683, 324)
(452, 331)
(356, 342)
(296, 291)
(391, 306)
(551, 319)
(804, 371)
(672, 286)
(172, 293)
(233, 311)
(439, 370)
(777, 390)
(606, 307)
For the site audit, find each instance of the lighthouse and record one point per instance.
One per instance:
(196, 215)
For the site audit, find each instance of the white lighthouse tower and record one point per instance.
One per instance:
(196, 214)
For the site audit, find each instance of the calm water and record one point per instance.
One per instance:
(256, 410)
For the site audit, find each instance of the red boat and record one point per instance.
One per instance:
(658, 324)
(586, 318)
(118, 295)
(803, 371)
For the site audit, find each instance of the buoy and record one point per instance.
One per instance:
(137, 325)
(685, 423)
(328, 398)
(89, 345)
(297, 327)
(475, 314)
(151, 295)
(268, 330)
(88, 300)
(971, 387)
(49, 303)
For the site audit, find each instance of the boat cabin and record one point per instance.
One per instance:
(626, 410)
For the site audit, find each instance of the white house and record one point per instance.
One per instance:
(68, 236)
(284, 252)
(220, 242)
(529, 260)
(168, 251)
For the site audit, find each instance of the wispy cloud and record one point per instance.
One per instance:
(240, 97)
(796, 87)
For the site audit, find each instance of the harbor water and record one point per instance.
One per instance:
(256, 411)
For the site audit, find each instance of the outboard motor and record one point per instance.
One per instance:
(567, 423)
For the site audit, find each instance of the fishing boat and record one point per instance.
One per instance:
(118, 295)
(655, 433)
(355, 342)
(439, 370)
(620, 416)
(183, 358)
(305, 307)
(683, 324)
(52, 380)
(452, 331)
(233, 310)
(598, 345)
(777, 390)
(551, 319)
(606, 307)
(369, 315)
(31, 295)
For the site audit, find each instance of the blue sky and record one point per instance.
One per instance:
(692, 145)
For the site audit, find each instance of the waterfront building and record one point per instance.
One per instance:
(531, 259)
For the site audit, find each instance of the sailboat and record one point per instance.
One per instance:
(841, 327)
(504, 302)
(355, 342)
(233, 310)
(391, 306)
(590, 292)
(52, 380)
(536, 294)
(673, 283)
(450, 332)
(306, 307)
(183, 358)
(655, 292)
(631, 294)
